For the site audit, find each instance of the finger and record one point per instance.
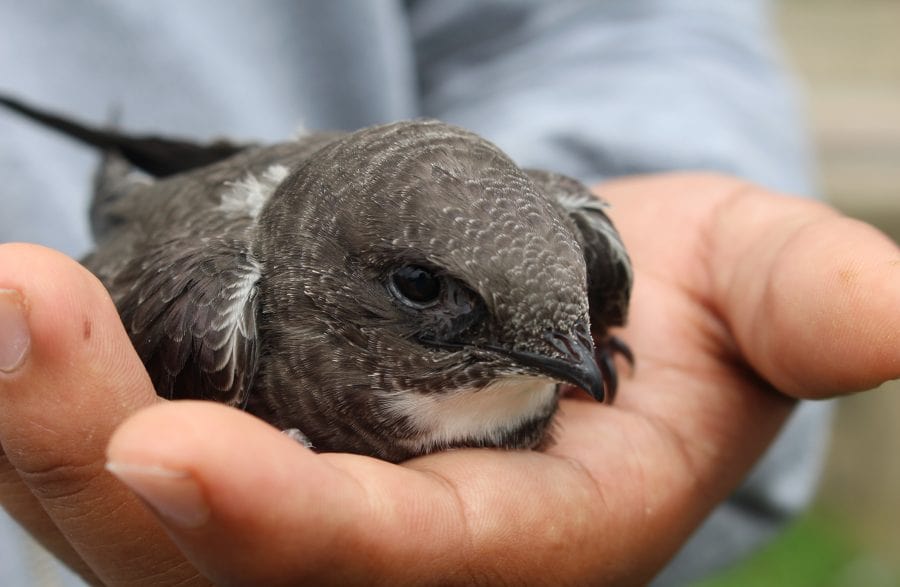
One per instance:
(253, 507)
(809, 297)
(22, 505)
(78, 379)
(813, 297)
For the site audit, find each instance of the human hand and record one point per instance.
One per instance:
(737, 293)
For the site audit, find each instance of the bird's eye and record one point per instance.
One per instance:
(416, 286)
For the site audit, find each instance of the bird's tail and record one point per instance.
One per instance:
(157, 156)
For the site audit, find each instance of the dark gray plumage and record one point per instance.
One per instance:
(397, 290)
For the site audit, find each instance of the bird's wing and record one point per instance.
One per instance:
(190, 307)
(608, 265)
(177, 260)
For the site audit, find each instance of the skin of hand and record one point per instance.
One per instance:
(744, 301)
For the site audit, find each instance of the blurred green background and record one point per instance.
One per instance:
(846, 54)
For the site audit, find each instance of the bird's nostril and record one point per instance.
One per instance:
(567, 346)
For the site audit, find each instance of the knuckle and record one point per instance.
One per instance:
(51, 480)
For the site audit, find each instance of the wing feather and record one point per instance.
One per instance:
(191, 315)
(608, 265)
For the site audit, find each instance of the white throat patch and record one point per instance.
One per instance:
(487, 413)
(249, 195)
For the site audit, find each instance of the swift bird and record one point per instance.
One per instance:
(392, 291)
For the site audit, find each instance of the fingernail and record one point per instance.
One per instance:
(14, 336)
(175, 495)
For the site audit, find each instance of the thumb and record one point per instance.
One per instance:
(813, 297)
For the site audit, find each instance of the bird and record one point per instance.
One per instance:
(393, 291)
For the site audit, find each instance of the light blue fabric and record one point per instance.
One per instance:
(592, 88)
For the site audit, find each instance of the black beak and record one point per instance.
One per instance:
(577, 364)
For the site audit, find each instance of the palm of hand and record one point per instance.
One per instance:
(738, 293)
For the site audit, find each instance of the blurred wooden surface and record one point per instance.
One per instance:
(847, 55)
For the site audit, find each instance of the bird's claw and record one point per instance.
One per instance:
(605, 353)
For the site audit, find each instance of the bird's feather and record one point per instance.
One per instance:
(191, 313)
(608, 265)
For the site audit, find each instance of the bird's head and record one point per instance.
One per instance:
(439, 292)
